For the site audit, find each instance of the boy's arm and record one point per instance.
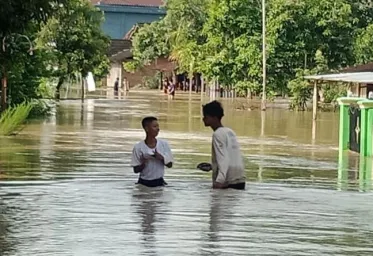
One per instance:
(137, 162)
(166, 156)
(221, 156)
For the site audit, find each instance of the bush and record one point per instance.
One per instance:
(152, 82)
(41, 108)
(12, 119)
(300, 90)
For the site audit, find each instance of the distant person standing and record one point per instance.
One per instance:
(166, 84)
(116, 87)
(171, 90)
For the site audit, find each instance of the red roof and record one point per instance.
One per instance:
(152, 3)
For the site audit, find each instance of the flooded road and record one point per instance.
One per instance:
(67, 188)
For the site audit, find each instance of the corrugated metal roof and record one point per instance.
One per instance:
(149, 3)
(358, 77)
(359, 68)
(118, 45)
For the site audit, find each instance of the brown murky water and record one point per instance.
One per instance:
(67, 188)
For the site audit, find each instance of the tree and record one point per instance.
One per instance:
(233, 44)
(16, 19)
(74, 36)
(363, 45)
(185, 20)
(222, 39)
(178, 36)
(149, 43)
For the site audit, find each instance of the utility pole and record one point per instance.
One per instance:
(264, 107)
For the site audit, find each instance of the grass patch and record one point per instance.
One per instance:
(13, 118)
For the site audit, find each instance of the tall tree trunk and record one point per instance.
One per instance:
(59, 85)
(4, 87)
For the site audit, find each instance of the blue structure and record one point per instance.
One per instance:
(122, 19)
(121, 16)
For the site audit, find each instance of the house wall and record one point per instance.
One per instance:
(116, 71)
(120, 19)
(161, 64)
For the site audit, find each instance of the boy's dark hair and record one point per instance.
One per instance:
(213, 109)
(147, 120)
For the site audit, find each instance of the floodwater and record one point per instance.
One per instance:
(67, 187)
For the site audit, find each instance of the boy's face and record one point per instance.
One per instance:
(208, 120)
(152, 129)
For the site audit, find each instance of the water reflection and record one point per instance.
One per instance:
(354, 171)
(147, 203)
(6, 243)
(212, 243)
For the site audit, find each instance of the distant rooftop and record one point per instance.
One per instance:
(145, 3)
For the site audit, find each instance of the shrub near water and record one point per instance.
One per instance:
(12, 119)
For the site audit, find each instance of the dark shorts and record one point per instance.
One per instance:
(240, 186)
(152, 183)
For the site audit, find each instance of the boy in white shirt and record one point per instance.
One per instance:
(227, 162)
(150, 156)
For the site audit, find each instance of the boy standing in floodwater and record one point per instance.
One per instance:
(150, 156)
(227, 163)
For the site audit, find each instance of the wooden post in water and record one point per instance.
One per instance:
(264, 99)
(190, 85)
(4, 87)
(314, 108)
(202, 86)
(83, 87)
(161, 83)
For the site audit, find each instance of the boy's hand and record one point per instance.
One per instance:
(144, 160)
(158, 156)
(218, 185)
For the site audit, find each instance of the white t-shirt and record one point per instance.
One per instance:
(227, 162)
(154, 168)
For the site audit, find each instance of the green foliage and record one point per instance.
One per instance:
(332, 92)
(301, 91)
(46, 88)
(149, 43)
(26, 75)
(233, 43)
(184, 21)
(222, 40)
(12, 119)
(41, 108)
(131, 66)
(363, 45)
(74, 36)
(152, 82)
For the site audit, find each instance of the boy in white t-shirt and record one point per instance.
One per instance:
(150, 156)
(227, 162)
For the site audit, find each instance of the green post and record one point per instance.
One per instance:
(366, 144)
(344, 130)
(344, 121)
(366, 107)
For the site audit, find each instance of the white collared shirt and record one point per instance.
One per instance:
(154, 168)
